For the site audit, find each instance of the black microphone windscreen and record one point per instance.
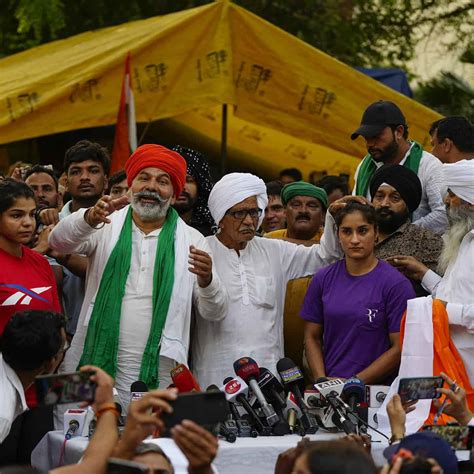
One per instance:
(227, 380)
(213, 388)
(285, 364)
(139, 386)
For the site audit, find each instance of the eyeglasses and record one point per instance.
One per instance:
(241, 214)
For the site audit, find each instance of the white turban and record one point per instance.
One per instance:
(459, 178)
(234, 188)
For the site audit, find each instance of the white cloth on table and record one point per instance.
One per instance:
(12, 398)
(256, 285)
(74, 235)
(431, 212)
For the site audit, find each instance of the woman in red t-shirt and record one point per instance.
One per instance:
(26, 282)
(26, 279)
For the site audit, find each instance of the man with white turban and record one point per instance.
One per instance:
(255, 272)
(456, 287)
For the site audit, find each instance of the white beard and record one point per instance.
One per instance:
(150, 212)
(461, 222)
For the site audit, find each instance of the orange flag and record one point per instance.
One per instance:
(125, 140)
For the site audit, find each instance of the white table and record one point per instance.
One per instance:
(251, 455)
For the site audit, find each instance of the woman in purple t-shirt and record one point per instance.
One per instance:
(353, 307)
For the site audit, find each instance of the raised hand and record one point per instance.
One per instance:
(200, 263)
(103, 208)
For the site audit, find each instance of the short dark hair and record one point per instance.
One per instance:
(458, 129)
(405, 129)
(116, 178)
(331, 183)
(274, 188)
(293, 172)
(343, 457)
(31, 338)
(11, 190)
(41, 169)
(86, 150)
(354, 206)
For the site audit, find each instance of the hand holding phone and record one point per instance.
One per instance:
(203, 408)
(74, 387)
(419, 388)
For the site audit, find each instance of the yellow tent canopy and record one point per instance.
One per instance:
(292, 104)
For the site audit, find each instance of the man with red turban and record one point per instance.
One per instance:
(146, 269)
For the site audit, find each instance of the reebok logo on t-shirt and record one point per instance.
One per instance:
(24, 294)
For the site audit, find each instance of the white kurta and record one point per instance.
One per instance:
(12, 398)
(457, 289)
(256, 285)
(74, 235)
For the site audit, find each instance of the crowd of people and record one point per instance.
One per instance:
(155, 266)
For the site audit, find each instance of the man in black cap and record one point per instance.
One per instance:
(385, 131)
(191, 204)
(396, 192)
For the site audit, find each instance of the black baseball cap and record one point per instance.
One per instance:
(376, 117)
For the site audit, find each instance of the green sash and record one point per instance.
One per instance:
(368, 168)
(101, 344)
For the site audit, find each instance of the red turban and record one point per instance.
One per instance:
(157, 156)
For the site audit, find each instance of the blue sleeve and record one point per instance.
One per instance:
(312, 308)
(396, 303)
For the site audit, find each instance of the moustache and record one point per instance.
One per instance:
(303, 216)
(150, 195)
(186, 195)
(384, 212)
(374, 150)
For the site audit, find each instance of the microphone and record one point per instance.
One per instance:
(228, 430)
(74, 421)
(73, 427)
(138, 390)
(331, 390)
(353, 392)
(248, 370)
(184, 379)
(292, 413)
(293, 381)
(271, 388)
(275, 394)
(236, 389)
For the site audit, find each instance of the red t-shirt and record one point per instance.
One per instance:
(26, 283)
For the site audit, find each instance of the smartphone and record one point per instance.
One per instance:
(418, 388)
(204, 408)
(72, 387)
(458, 437)
(122, 466)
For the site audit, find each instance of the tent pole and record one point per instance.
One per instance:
(224, 140)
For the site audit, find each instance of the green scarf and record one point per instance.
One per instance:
(368, 168)
(101, 344)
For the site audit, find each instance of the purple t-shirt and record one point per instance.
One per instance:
(358, 314)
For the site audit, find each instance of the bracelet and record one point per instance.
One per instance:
(86, 218)
(107, 407)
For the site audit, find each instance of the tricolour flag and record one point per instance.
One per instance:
(125, 140)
